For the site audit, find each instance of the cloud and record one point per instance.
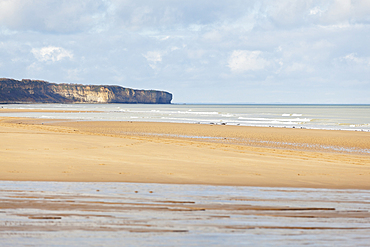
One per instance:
(173, 14)
(298, 67)
(290, 14)
(316, 11)
(242, 60)
(153, 57)
(266, 14)
(51, 53)
(354, 59)
(184, 46)
(52, 15)
(354, 67)
(347, 11)
(133, 15)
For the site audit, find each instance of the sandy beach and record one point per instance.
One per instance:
(36, 150)
(152, 183)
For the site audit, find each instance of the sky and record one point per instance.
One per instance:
(202, 51)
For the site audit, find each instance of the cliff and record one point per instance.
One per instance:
(36, 91)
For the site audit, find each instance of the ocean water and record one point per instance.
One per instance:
(339, 117)
(133, 214)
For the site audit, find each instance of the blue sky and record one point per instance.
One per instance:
(202, 51)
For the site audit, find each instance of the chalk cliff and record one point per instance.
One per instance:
(36, 91)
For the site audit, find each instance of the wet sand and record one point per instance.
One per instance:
(56, 150)
(75, 214)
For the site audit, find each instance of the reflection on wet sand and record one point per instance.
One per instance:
(177, 211)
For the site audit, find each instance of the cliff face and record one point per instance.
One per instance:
(35, 91)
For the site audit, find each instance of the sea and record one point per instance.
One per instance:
(146, 214)
(335, 117)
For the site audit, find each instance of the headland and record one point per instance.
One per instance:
(37, 91)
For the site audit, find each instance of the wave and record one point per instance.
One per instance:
(170, 112)
(278, 119)
(293, 115)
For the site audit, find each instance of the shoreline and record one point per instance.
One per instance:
(306, 119)
(127, 152)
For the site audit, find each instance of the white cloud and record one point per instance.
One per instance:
(180, 46)
(316, 11)
(289, 14)
(355, 60)
(101, 15)
(52, 15)
(153, 57)
(51, 53)
(341, 12)
(243, 60)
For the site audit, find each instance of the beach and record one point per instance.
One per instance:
(184, 123)
(67, 183)
(175, 153)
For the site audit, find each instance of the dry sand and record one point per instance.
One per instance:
(32, 150)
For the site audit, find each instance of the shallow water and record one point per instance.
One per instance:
(345, 117)
(133, 214)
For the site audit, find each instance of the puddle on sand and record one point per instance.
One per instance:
(116, 214)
